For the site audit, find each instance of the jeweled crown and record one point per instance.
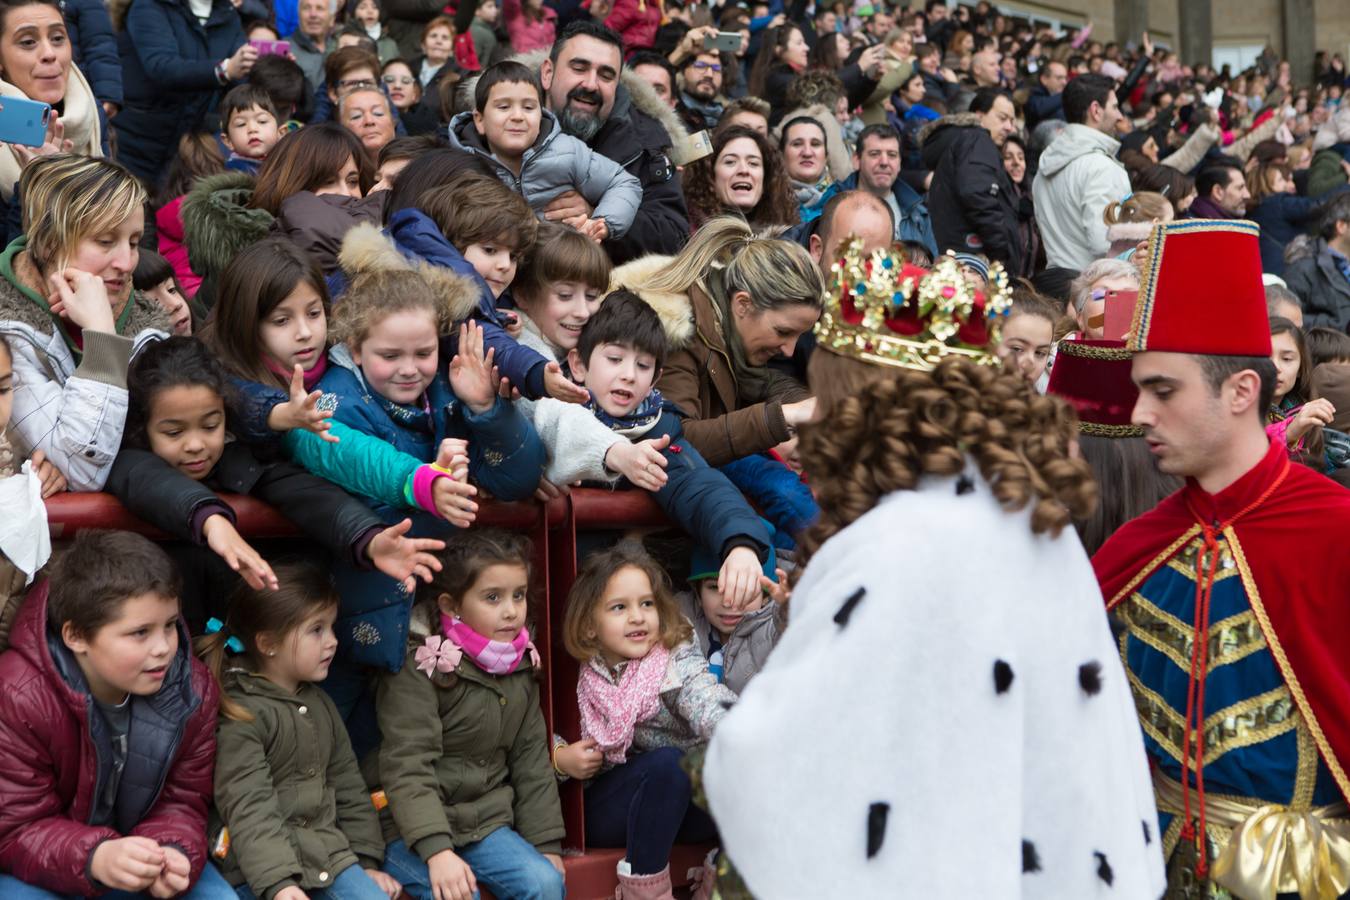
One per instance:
(882, 310)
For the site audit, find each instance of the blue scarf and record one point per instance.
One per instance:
(635, 424)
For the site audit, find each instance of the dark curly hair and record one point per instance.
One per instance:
(880, 430)
(777, 205)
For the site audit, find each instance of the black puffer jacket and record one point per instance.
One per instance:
(971, 199)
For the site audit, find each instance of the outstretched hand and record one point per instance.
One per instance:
(472, 375)
(302, 410)
(403, 558)
(560, 387)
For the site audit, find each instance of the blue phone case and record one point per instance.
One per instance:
(23, 121)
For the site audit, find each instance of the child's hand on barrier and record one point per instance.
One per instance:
(127, 864)
(451, 877)
(176, 876)
(222, 537)
(386, 883)
(579, 760)
(403, 558)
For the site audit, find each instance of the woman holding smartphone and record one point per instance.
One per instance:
(69, 314)
(35, 64)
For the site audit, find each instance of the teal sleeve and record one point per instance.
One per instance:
(358, 463)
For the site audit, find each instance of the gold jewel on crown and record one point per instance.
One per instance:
(882, 310)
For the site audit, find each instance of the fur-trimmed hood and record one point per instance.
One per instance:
(367, 249)
(632, 91)
(955, 120)
(218, 221)
(1133, 232)
(676, 310)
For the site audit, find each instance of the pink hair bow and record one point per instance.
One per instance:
(437, 655)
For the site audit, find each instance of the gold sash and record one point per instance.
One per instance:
(1273, 849)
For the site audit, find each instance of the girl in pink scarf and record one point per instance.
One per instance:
(464, 755)
(646, 697)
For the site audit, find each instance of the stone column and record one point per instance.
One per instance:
(1131, 20)
(1300, 38)
(1195, 19)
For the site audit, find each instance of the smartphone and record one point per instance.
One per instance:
(1119, 314)
(271, 48)
(23, 121)
(724, 41)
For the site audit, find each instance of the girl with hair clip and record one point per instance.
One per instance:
(464, 760)
(1301, 424)
(176, 458)
(1129, 222)
(921, 441)
(646, 698)
(270, 332)
(296, 821)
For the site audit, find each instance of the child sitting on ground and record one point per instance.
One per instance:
(250, 123)
(107, 732)
(618, 359)
(524, 143)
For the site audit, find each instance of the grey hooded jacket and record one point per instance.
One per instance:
(558, 163)
(751, 642)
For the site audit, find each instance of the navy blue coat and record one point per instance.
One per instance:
(94, 47)
(169, 77)
(1282, 218)
(778, 492)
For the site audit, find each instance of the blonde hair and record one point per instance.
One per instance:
(775, 273)
(67, 198)
(579, 632)
(375, 296)
(1144, 206)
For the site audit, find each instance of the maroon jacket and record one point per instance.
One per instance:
(50, 767)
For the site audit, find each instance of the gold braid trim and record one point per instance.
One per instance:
(1158, 560)
(1323, 745)
(1230, 639)
(1083, 351)
(1267, 716)
(1110, 431)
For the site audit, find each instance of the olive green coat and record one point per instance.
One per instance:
(464, 755)
(290, 791)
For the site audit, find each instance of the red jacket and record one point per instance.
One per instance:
(636, 21)
(49, 763)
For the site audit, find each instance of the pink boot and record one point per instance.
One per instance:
(643, 887)
(704, 878)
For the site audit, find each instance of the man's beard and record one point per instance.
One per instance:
(581, 125)
(705, 91)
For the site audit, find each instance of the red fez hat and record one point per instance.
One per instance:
(1202, 290)
(1094, 376)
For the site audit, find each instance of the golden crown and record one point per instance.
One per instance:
(882, 310)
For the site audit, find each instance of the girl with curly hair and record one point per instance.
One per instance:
(947, 647)
(743, 176)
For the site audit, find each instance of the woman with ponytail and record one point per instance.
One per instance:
(736, 301)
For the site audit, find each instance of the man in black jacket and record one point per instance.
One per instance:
(971, 200)
(1047, 98)
(581, 78)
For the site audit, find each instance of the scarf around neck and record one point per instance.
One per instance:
(635, 424)
(311, 377)
(493, 657)
(611, 710)
(752, 382)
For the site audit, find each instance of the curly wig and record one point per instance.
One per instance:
(880, 430)
(777, 204)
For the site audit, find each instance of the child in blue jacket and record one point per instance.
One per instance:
(618, 358)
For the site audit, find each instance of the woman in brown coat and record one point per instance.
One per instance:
(745, 299)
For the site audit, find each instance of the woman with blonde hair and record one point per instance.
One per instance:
(736, 301)
(70, 315)
(947, 616)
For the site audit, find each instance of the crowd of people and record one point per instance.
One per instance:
(810, 276)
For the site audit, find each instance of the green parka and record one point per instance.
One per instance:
(464, 754)
(290, 791)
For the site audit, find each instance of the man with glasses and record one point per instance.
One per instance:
(700, 103)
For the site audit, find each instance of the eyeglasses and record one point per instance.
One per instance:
(355, 83)
(715, 68)
(399, 79)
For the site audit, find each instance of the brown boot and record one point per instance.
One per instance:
(704, 878)
(643, 887)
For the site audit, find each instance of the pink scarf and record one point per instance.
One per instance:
(493, 657)
(311, 377)
(610, 712)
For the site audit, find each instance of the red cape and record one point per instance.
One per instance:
(1295, 564)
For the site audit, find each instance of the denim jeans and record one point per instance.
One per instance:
(504, 862)
(352, 883)
(646, 805)
(210, 886)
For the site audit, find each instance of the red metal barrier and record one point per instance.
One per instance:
(553, 529)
